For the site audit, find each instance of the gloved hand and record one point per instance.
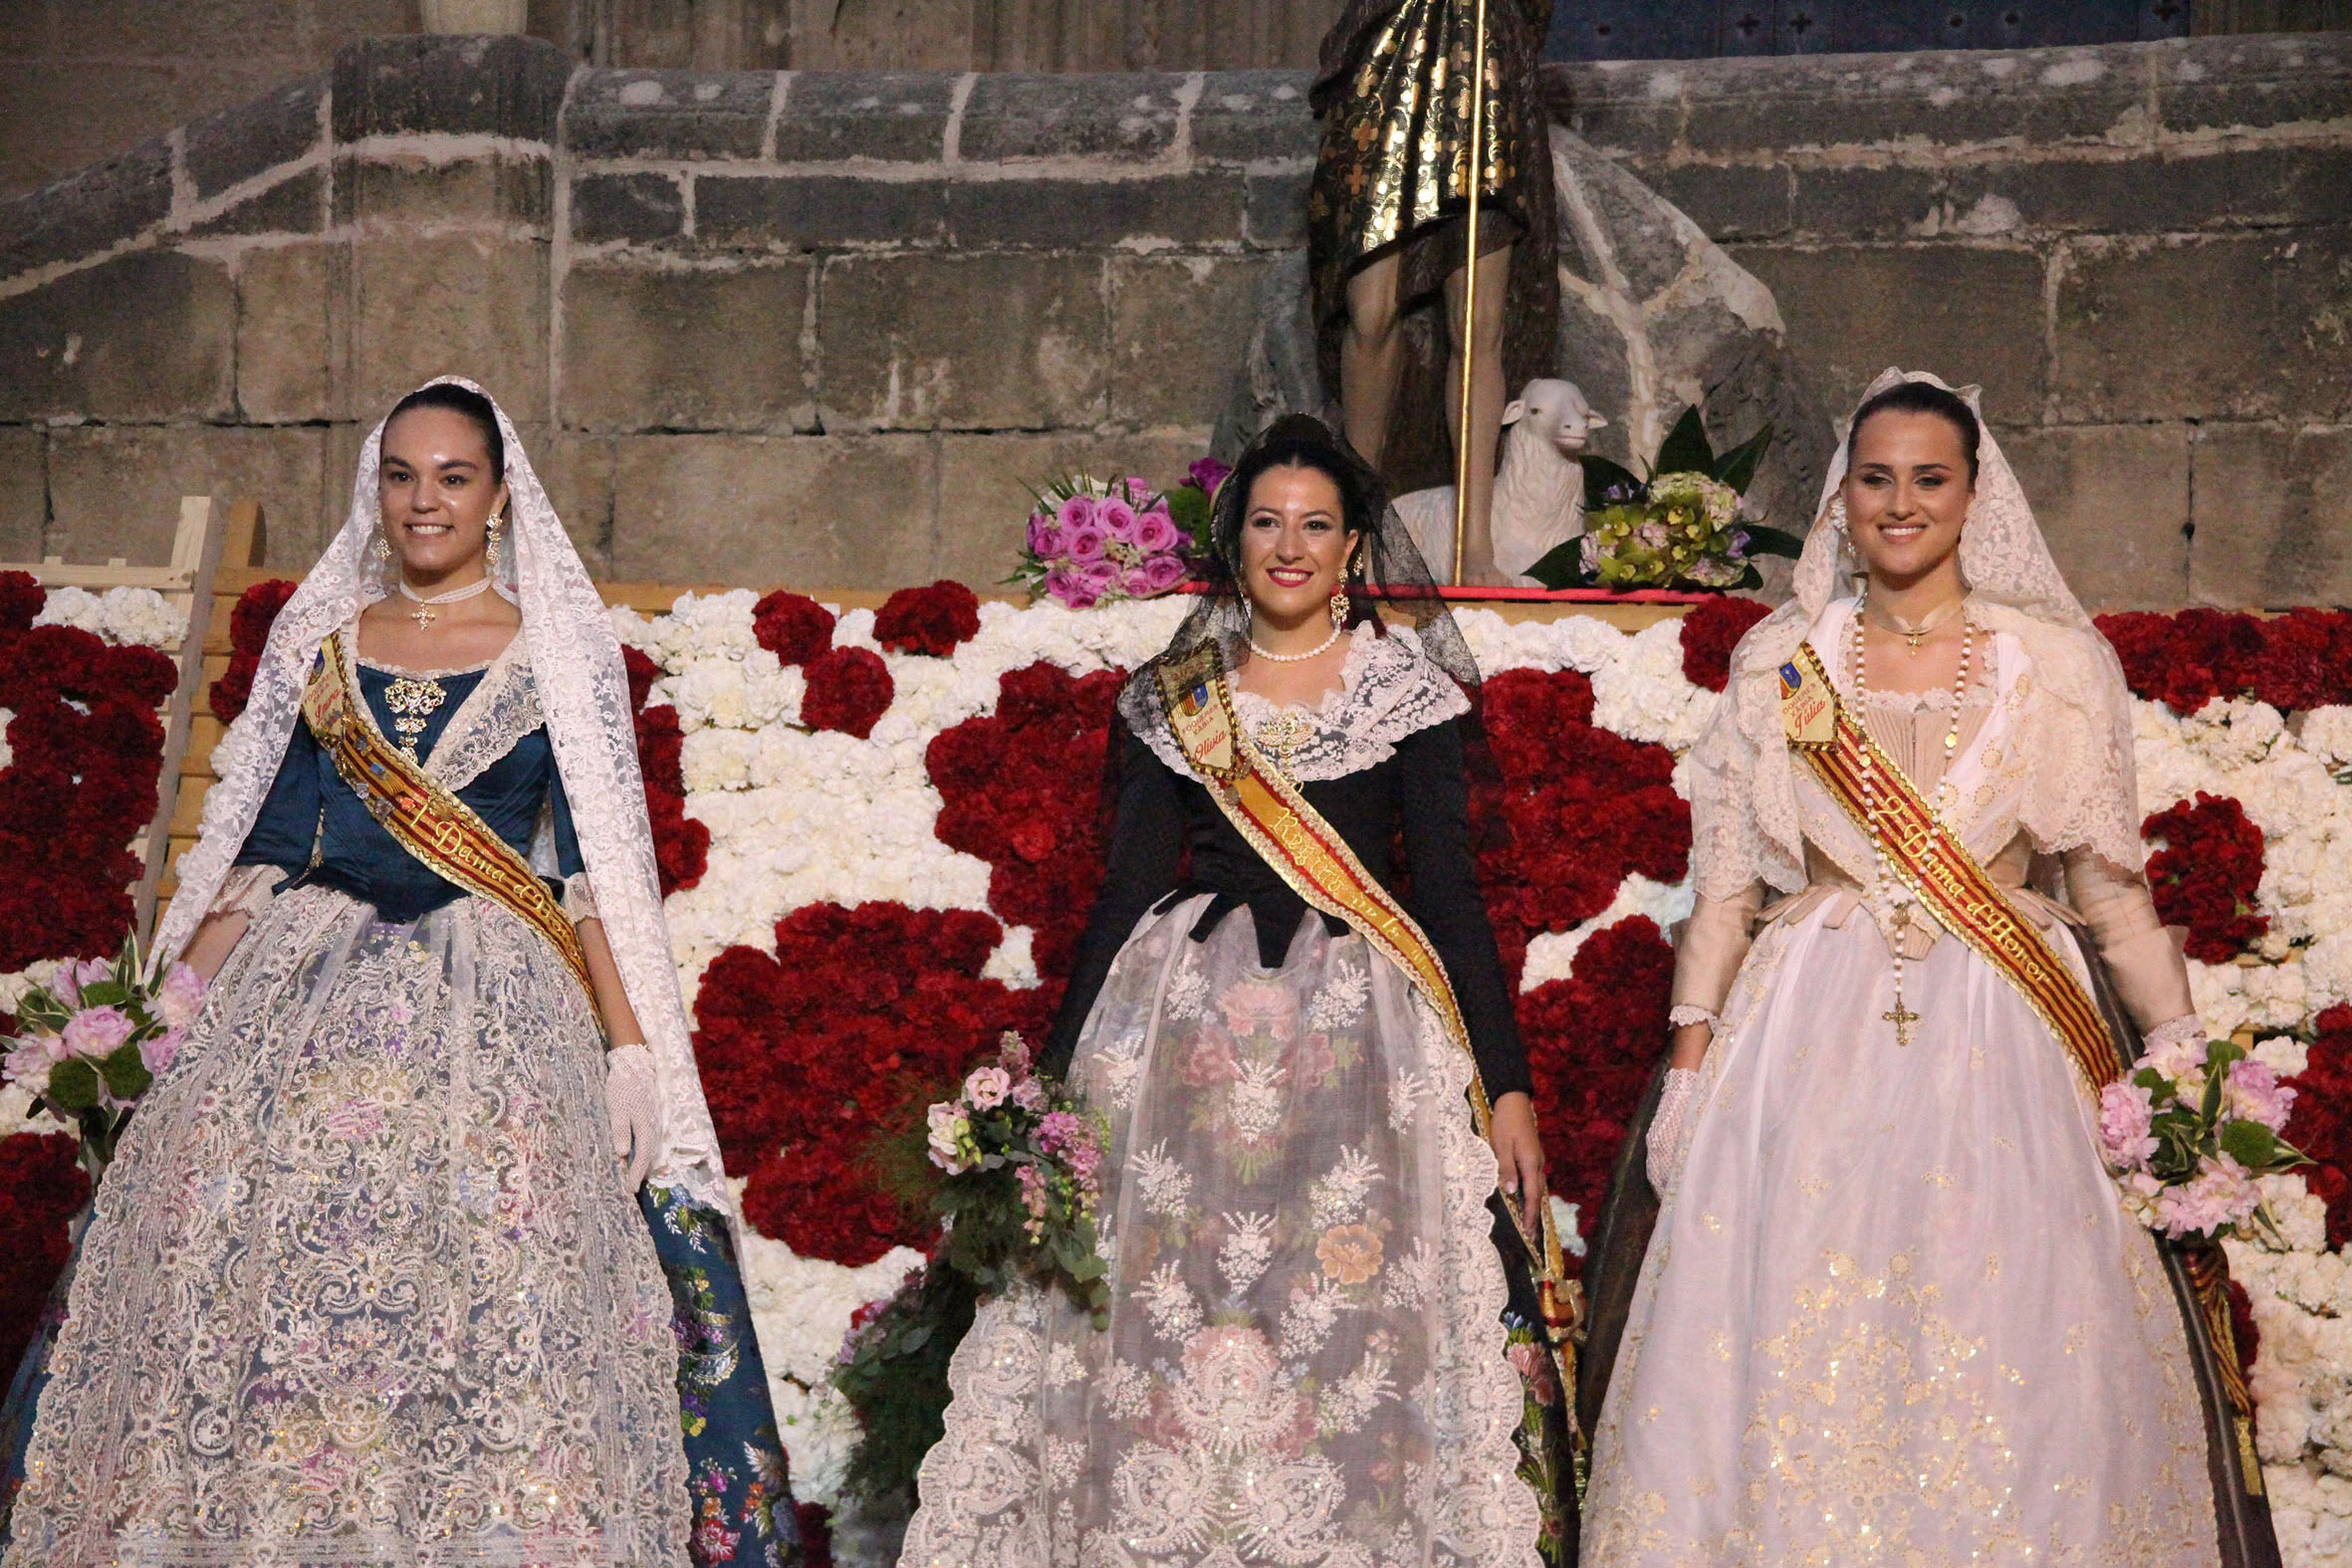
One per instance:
(632, 1096)
(1666, 1128)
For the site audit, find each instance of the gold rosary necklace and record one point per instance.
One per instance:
(1914, 637)
(1888, 891)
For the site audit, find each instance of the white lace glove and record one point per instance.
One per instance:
(1666, 1128)
(633, 1096)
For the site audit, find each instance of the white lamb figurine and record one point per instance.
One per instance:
(1539, 488)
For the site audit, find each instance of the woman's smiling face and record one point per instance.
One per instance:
(1907, 493)
(1296, 543)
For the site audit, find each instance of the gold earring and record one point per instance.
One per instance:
(490, 548)
(383, 547)
(1340, 608)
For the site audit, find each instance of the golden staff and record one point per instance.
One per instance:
(1476, 172)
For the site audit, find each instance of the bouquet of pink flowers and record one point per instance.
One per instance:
(2189, 1134)
(90, 1042)
(1024, 1172)
(1096, 542)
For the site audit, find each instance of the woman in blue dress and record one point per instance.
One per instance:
(419, 1251)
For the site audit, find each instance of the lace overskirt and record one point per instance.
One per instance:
(361, 1288)
(1892, 1308)
(1303, 1363)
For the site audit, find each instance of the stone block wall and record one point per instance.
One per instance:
(2142, 252)
(825, 327)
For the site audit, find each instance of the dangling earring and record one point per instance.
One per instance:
(490, 548)
(383, 547)
(1340, 608)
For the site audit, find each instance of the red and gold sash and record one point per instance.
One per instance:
(1266, 808)
(1940, 872)
(423, 816)
(1935, 867)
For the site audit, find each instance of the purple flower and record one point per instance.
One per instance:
(97, 1032)
(1164, 573)
(1207, 473)
(157, 1054)
(1046, 536)
(2125, 1114)
(1028, 1094)
(1136, 583)
(1118, 518)
(1086, 543)
(1013, 1054)
(30, 1059)
(1065, 586)
(71, 976)
(180, 996)
(1155, 531)
(1102, 577)
(2252, 1091)
(1077, 512)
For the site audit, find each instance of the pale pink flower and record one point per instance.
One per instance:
(949, 1133)
(96, 1031)
(157, 1053)
(987, 1087)
(1013, 1054)
(1137, 584)
(1256, 1006)
(29, 1061)
(2253, 1092)
(1028, 1094)
(2220, 1194)
(2125, 1113)
(182, 995)
(2181, 1061)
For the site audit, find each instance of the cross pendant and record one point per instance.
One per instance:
(1902, 1019)
(422, 617)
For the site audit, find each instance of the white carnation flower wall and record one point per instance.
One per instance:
(798, 818)
(122, 617)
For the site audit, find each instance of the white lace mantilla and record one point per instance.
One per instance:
(1388, 690)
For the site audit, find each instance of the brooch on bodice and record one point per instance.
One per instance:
(412, 702)
(1280, 734)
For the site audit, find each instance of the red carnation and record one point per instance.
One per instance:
(1710, 634)
(2307, 659)
(849, 689)
(2321, 1125)
(793, 626)
(249, 632)
(2185, 660)
(21, 599)
(681, 845)
(642, 672)
(2207, 875)
(41, 1188)
(928, 621)
(1592, 1042)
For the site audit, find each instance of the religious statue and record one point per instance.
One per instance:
(1388, 242)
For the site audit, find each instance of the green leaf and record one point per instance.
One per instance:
(105, 993)
(1773, 542)
(1736, 468)
(1562, 566)
(2251, 1144)
(1189, 506)
(127, 1076)
(914, 1339)
(1685, 450)
(1600, 476)
(73, 1086)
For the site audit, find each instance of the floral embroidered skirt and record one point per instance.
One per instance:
(1892, 1308)
(1303, 1361)
(361, 1288)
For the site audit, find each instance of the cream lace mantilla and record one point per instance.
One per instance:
(1388, 690)
(2076, 731)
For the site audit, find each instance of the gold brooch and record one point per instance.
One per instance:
(412, 702)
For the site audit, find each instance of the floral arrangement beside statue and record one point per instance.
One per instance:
(1099, 541)
(1679, 528)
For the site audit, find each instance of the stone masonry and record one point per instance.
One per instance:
(822, 328)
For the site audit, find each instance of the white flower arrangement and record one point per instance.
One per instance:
(798, 818)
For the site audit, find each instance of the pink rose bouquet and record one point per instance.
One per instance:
(91, 1040)
(1096, 542)
(2189, 1134)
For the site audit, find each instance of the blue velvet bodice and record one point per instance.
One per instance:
(310, 803)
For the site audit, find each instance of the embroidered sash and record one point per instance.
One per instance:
(423, 816)
(1941, 873)
(1269, 814)
(1935, 867)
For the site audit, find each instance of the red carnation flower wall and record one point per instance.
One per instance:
(816, 1058)
(44, 1186)
(249, 632)
(1710, 634)
(793, 626)
(1021, 790)
(2321, 1125)
(2302, 659)
(682, 843)
(2205, 875)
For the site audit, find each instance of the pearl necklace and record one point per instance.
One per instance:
(423, 615)
(1317, 652)
(1887, 892)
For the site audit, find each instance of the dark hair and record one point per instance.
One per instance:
(1299, 441)
(460, 400)
(1921, 397)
